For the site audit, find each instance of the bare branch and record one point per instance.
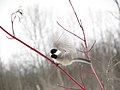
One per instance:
(69, 31)
(13, 17)
(116, 1)
(79, 21)
(89, 49)
(92, 46)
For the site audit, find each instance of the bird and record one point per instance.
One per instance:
(66, 58)
(63, 52)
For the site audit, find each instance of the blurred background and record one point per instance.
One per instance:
(23, 69)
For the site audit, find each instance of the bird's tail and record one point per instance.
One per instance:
(81, 60)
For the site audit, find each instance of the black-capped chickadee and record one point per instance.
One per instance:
(66, 58)
(64, 52)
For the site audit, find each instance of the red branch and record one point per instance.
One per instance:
(68, 75)
(85, 43)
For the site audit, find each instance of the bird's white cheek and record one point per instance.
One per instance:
(58, 52)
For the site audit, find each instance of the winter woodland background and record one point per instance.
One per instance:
(29, 71)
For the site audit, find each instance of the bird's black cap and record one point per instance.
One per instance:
(53, 51)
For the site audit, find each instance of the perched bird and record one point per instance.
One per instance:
(64, 53)
(66, 58)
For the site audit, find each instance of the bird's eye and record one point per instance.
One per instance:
(53, 51)
(54, 56)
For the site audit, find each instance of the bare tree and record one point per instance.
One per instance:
(2, 85)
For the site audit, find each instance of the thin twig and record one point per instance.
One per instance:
(114, 65)
(85, 51)
(89, 49)
(69, 31)
(79, 21)
(80, 24)
(13, 19)
(92, 46)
